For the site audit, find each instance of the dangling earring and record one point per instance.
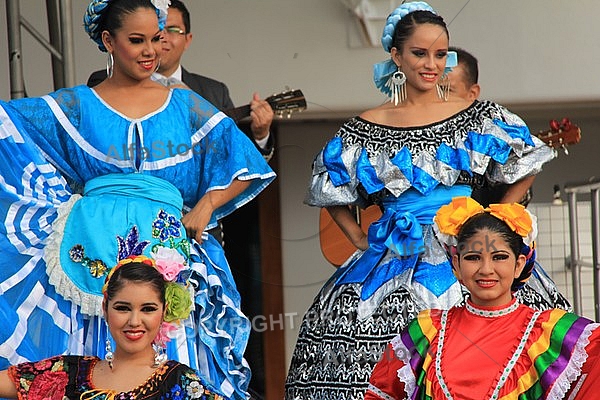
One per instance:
(109, 356)
(160, 357)
(397, 85)
(443, 87)
(157, 66)
(110, 63)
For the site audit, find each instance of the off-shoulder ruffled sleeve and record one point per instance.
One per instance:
(365, 158)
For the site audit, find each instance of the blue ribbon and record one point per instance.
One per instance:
(366, 174)
(332, 159)
(397, 231)
(516, 131)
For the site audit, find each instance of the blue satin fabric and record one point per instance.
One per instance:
(109, 205)
(135, 185)
(332, 158)
(367, 175)
(516, 131)
(399, 230)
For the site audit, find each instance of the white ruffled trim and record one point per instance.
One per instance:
(405, 374)
(379, 392)
(90, 304)
(573, 369)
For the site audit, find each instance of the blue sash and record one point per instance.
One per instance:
(399, 230)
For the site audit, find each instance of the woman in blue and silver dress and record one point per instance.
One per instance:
(92, 176)
(409, 156)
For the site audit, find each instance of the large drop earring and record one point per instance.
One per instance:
(109, 356)
(110, 64)
(160, 356)
(443, 87)
(397, 85)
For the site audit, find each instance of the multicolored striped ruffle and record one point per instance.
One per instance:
(556, 355)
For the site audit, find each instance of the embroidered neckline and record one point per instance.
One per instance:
(506, 368)
(491, 313)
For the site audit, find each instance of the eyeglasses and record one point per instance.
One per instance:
(174, 30)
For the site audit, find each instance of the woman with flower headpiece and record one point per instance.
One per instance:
(493, 347)
(408, 156)
(138, 307)
(156, 167)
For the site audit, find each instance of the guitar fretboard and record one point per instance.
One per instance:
(238, 113)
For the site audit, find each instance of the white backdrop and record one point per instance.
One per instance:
(529, 51)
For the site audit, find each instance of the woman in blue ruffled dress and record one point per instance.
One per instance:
(409, 156)
(92, 176)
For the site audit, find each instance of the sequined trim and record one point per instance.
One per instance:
(516, 355)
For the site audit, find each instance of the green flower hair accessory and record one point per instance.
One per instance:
(178, 302)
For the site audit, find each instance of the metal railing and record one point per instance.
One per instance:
(591, 187)
(60, 44)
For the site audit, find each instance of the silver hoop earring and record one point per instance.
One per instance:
(443, 87)
(157, 66)
(109, 356)
(110, 64)
(397, 85)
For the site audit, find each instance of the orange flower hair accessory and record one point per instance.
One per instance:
(514, 215)
(450, 218)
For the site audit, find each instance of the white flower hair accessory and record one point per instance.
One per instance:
(162, 9)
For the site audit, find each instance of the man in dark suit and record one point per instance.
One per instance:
(240, 231)
(464, 83)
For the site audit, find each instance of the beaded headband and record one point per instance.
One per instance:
(383, 71)
(94, 11)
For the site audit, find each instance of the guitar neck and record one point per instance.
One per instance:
(238, 113)
(283, 103)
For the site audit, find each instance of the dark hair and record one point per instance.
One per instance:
(112, 18)
(406, 26)
(515, 242)
(137, 272)
(177, 4)
(469, 63)
(486, 221)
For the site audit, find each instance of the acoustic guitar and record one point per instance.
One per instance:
(283, 104)
(337, 248)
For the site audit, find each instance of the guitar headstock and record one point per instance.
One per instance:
(561, 134)
(287, 102)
